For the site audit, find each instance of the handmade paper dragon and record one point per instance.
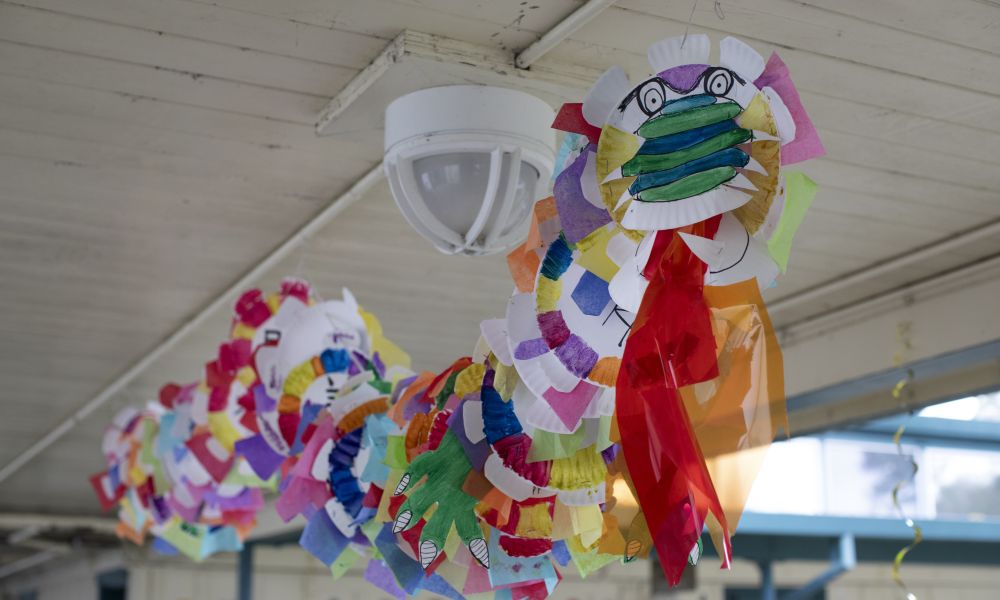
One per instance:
(620, 406)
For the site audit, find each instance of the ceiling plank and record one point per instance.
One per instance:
(235, 28)
(903, 129)
(834, 77)
(272, 165)
(863, 178)
(877, 208)
(507, 25)
(922, 163)
(164, 115)
(969, 23)
(797, 25)
(66, 151)
(159, 50)
(132, 80)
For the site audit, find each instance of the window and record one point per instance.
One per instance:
(791, 480)
(984, 407)
(965, 483)
(860, 477)
(853, 475)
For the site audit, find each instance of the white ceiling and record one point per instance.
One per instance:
(152, 151)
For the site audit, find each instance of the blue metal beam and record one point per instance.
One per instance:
(928, 368)
(759, 548)
(864, 434)
(936, 431)
(775, 537)
(244, 573)
(866, 528)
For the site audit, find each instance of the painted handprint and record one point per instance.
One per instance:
(445, 468)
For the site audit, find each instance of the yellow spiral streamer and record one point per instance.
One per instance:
(903, 336)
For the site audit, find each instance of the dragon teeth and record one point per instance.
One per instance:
(402, 521)
(632, 549)
(480, 551)
(740, 182)
(763, 136)
(753, 165)
(428, 552)
(625, 197)
(403, 483)
(613, 175)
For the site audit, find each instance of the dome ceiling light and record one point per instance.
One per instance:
(465, 163)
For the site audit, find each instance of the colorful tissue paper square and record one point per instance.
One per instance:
(322, 539)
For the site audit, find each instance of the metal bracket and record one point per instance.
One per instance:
(414, 61)
(843, 558)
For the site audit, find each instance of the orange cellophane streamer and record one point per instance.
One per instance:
(625, 508)
(671, 345)
(523, 261)
(736, 415)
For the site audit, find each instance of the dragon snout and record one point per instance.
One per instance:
(689, 147)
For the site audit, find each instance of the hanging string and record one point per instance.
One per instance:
(717, 7)
(903, 331)
(688, 26)
(299, 264)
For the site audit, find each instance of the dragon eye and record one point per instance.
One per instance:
(651, 96)
(718, 82)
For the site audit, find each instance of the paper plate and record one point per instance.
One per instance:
(542, 371)
(678, 51)
(605, 95)
(629, 285)
(738, 56)
(654, 216)
(494, 331)
(682, 72)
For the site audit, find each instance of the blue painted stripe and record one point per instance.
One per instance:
(499, 420)
(685, 139)
(334, 360)
(557, 259)
(675, 106)
(730, 157)
(342, 482)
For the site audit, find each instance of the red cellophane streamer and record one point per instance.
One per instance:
(671, 345)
